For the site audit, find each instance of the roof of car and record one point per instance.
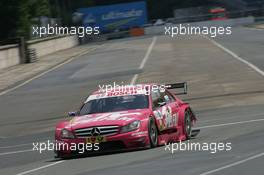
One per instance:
(111, 91)
(112, 88)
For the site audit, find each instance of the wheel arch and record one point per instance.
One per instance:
(156, 123)
(186, 107)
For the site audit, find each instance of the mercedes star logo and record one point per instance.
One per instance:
(95, 132)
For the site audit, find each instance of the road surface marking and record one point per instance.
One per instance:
(14, 146)
(23, 144)
(233, 164)
(15, 152)
(134, 79)
(47, 71)
(39, 168)
(252, 66)
(233, 123)
(257, 29)
(145, 59)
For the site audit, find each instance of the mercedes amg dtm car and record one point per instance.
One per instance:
(127, 119)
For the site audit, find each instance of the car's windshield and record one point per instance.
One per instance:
(112, 104)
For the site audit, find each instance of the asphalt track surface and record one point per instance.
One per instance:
(227, 95)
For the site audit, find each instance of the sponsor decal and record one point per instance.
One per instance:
(97, 139)
(165, 117)
(115, 116)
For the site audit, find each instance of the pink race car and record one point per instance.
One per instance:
(138, 116)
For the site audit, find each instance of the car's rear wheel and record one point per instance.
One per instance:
(188, 125)
(153, 133)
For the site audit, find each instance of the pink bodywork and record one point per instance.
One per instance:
(172, 132)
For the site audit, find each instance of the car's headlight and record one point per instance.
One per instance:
(66, 134)
(131, 126)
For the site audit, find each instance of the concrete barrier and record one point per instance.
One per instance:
(50, 45)
(9, 56)
(154, 30)
(227, 22)
(158, 30)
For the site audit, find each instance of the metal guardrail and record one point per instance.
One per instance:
(27, 55)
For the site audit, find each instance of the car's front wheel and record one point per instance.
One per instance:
(60, 155)
(153, 133)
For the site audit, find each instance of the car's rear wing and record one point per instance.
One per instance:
(182, 85)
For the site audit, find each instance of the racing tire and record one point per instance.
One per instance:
(153, 133)
(187, 124)
(62, 156)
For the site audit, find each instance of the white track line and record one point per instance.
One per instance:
(14, 146)
(233, 164)
(257, 29)
(39, 168)
(134, 79)
(20, 145)
(252, 66)
(146, 57)
(15, 152)
(43, 73)
(227, 124)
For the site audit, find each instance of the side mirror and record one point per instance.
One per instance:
(161, 103)
(72, 114)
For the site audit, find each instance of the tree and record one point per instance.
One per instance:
(7, 13)
(17, 14)
(23, 22)
(39, 8)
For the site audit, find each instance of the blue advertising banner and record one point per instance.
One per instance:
(115, 17)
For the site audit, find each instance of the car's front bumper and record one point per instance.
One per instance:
(122, 141)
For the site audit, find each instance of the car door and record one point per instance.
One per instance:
(164, 110)
(173, 108)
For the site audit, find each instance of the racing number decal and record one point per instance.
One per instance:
(121, 116)
(165, 117)
(167, 113)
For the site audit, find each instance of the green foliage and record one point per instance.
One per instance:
(23, 22)
(39, 8)
(17, 14)
(8, 18)
(43, 8)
